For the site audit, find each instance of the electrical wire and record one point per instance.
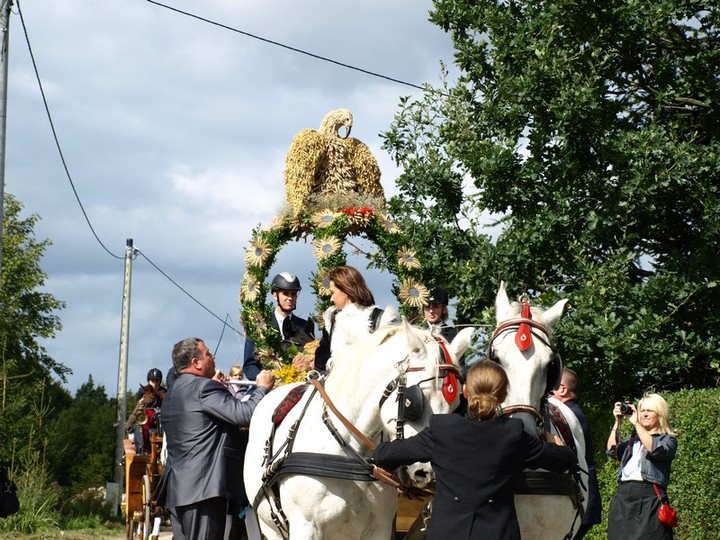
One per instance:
(55, 136)
(77, 197)
(288, 47)
(171, 280)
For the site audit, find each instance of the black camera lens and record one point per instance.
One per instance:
(626, 409)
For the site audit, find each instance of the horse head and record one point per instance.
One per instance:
(521, 344)
(150, 395)
(426, 382)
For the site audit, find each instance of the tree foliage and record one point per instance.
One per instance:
(591, 132)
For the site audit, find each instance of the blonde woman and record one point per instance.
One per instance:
(645, 458)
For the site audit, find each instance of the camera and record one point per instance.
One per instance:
(626, 409)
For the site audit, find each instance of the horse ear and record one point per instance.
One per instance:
(553, 314)
(502, 303)
(461, 342)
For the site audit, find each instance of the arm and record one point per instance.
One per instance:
(614, 436)
(393, 454)
(322, 353)
(218, 402)
(251, 365)
(547, 455)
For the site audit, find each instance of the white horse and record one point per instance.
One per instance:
(322, 483)
(521, 344)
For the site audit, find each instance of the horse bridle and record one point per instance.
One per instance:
(526, 325)
(410, 399)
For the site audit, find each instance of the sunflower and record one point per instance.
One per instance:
(257, 253)
(326, 247)
(250, 289)
(407, 257)
(413, 294)
(323, 282)
(324, 218)
(258, 321)
(389, 225)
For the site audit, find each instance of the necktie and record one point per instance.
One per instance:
(286, 328)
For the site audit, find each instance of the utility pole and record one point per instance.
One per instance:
(130, 254)
(4, 59)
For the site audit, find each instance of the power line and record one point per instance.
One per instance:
(171, 280)
(77, 197)
(55, 136)
(288, 47)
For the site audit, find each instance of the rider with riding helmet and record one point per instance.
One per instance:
(293, 330)
(148, 397)
(436, 314)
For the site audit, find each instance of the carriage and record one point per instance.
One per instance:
(143, 478)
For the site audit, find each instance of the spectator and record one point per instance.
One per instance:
(352, 317)
(645, 458)
(567, 393)
(475, 458)
(205, 450)
(284, 288)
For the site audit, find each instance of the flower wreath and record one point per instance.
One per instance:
(330, 229)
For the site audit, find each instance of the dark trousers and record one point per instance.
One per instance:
(203, 520)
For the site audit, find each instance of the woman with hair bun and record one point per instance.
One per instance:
(474, 458)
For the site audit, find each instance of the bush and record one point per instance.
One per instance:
(38, 501)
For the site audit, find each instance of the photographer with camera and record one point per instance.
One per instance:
(645, 457)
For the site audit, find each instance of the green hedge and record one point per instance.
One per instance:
(695, 483)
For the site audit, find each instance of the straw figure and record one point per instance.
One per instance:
(322, 162)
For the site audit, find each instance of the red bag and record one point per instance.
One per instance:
(666, 513)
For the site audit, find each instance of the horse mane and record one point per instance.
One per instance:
(349, 367)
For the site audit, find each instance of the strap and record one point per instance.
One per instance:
(659, 496)
(355, 431)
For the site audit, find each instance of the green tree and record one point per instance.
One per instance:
(31, 397)
(591, 132)
(82, 442)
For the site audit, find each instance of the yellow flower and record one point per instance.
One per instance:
(407, 257)
(249, 289)
(413, 293)
(326, 247)
(257, 253)
(324, 218)
(323, 283)
(389, 225)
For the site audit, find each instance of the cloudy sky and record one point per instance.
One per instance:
(175, 132)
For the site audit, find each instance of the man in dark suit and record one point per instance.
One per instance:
(205, 458)
(284, 288)
(567, 392)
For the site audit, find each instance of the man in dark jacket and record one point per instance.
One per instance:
(567, 393)
(284, 288)
(204, 464)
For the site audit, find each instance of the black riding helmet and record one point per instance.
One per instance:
(285, 281)
(154, 375)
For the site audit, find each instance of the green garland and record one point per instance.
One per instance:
(330, 229)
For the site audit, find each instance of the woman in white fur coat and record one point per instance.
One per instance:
(352, 317)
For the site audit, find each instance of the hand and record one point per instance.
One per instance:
(616, 412)
(265, 379)
(554, 439)
(219, 376)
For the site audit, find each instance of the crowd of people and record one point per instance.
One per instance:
(474, 454)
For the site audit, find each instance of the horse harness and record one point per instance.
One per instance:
(355, 467)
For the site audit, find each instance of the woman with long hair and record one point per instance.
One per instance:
(352, 317)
